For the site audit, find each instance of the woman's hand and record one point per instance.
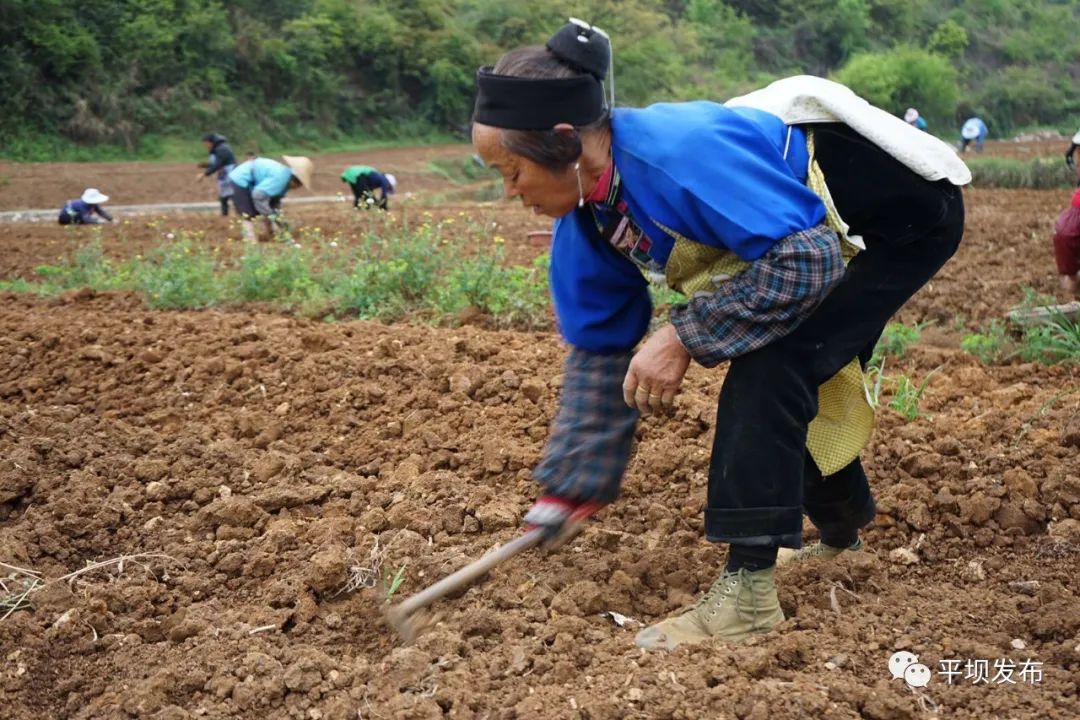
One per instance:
(656, 372)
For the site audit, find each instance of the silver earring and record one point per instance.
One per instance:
(580, 191)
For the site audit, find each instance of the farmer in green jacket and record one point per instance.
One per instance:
(364, 181)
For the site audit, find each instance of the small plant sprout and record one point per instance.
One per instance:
(873, 389)
(393, 583)
(907, 396)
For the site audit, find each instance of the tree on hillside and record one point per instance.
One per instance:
(905, 77)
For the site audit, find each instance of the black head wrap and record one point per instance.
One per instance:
(583, 47)
(517, 103)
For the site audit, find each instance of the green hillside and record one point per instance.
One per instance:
(126, 73)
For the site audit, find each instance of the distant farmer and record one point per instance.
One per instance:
(912, 117)
(973, 130)
(364, 181)
(221, 162)
(1070, 154)
(1067, 246)
(86, 210)
(260, 184)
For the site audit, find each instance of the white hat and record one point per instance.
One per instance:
(911, 115)
(93, 196)
(302, 168)
(392, 180)
(971, 129)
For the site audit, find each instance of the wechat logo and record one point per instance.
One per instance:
(906, 666)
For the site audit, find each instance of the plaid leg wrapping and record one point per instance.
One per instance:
(767, 301)
(592, 434)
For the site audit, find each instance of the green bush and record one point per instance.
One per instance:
(1053, 342)
(275, 273)
(904, 77)
(87, 266)
(949, 39)
(312, 74)
(1019, 96)
(991, 346)
(895, 340)
(179, 276)
(512, 295)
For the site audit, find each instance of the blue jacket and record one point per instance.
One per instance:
(80, 212)
(715, 175)
(384, 184)
(263, 175)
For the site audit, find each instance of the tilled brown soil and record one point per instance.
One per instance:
(247, 463)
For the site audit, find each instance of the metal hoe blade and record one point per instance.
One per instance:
(402, 616)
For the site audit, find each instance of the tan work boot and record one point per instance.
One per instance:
(817, 550)
(738, 605)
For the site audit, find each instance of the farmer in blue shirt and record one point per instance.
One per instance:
(260, 184)
(727, 205)
(86, 210)
(220, 162)
(973, 130)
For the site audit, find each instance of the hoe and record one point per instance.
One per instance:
(404, 617)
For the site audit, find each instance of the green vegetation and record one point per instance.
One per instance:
(895, 340)
(1052, 341)
(393, 582)
(907, 395)
(144, 78)
(874, 381)
(991, 346)
(1037, 173)
(1055, 341)
(393, 273)
(902, 77)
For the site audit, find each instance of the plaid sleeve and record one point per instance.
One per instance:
(591, 436)
(763, 303)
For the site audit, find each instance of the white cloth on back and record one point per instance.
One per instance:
(806, 99)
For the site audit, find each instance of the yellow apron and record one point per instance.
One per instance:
(845, 418)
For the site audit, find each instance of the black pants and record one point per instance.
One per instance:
(362, 189)
(761, 478)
